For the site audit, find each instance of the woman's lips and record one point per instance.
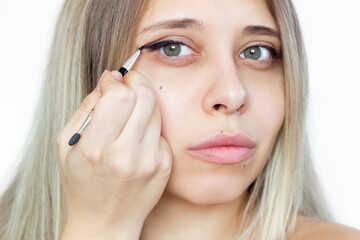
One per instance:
(224, 149)
(224, 154)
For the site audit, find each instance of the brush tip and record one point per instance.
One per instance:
(140, 48)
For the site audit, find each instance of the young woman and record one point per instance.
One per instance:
(233, 71)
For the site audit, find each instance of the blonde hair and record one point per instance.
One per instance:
(93, 35)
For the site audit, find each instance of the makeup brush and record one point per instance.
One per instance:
(123, 70)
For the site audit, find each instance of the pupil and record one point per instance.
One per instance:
(253, 53)
(173, 49)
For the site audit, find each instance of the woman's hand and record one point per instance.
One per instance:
(115, 175)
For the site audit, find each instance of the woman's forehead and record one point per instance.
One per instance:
(212, 14)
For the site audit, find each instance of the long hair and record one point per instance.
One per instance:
(93, 35)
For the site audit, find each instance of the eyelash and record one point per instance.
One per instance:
(272, 50)
(157, 45)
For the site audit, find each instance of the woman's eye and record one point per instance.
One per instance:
(170, 48)
(256, 53)
(172, 52)
(175, 50)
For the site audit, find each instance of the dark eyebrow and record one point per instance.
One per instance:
(261, 30)
(176, 23)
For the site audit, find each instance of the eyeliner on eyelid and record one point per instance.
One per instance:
(154, 46)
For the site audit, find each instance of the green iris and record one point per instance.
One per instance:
(172, 49)
(253, 53)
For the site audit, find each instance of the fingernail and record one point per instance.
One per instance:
(116, 75)
(102, 75)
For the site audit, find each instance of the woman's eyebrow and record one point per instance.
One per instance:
(183, 23)
(196, 24)
(261, 30)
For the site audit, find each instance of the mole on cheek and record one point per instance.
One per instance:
(160, 87)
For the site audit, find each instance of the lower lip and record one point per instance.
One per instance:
(224, 154)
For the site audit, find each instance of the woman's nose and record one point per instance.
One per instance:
(226, 91)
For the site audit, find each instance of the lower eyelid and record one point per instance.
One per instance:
(260, 64)
(177, 61)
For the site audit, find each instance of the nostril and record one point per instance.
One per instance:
(217, 106)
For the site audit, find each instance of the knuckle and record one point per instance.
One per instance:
(142, 87)
(130, 167)
(166, 165)
(92, 155)
(165, 157)
(156, 123)
(122, 94)
(144, 91)
(60, 138)
(131, 75)
(123, 164)
(125, 170)
(86, 105)
(106, 81)
(149, 169)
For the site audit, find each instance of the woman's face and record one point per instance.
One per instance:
(214, 79)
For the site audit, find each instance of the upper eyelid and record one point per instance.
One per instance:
(260, 44)
(164, 42)
(273, 51)
(257, 44)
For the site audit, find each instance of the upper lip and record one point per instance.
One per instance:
(219, 139)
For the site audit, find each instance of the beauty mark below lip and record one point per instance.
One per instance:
(224, 149)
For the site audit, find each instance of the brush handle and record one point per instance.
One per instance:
(123, 70)
(76, 137)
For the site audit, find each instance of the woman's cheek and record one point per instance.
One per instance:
(165, 82)
(267, 102)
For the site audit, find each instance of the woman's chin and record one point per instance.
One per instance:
(206, 190)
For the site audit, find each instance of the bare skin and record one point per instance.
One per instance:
(150, 187)
(312, 229)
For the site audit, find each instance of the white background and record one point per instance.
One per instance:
(332, 37)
